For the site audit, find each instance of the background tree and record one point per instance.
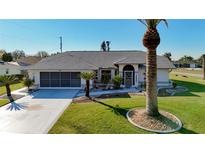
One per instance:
(42, 54)
(168, 55)
(103, 46)
(199, 61)
(17, 54)
(108, 45)
(87, 76)
(203, 66)
(186, 59)
(2, 51)
(7, 57)
(151, 40)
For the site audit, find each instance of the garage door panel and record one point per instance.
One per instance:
(44, 75)
(75, 83)
(75, 75)
(65, 75)
(60, 79)
(55, 83)
(65, 83)
(44, 83)
(55, 75)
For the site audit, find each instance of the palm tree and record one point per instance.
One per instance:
(103, 46)
(7, 80)
(87, 76)
(151, 40)
(108, 45)
(203, 65)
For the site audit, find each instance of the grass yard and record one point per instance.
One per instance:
(13, 87)
(108, 117)
(183, 70)
(3, 102)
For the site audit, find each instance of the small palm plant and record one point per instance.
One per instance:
(7, 80)
(87, 76)
(151, 40)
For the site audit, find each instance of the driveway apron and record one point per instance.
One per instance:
(42, 109)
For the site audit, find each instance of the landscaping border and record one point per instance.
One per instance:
(155, 131)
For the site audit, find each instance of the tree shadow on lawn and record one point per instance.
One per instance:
(191, 86)
(186, 131)
(115, 95)
(123, 111)
(116, 109)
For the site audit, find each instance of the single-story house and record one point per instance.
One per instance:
(17, 67)
(29, 60)
(9, 68)
(63, 70)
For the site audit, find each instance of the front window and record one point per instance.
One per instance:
(106, 76)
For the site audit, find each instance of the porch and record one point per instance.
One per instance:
(128, 73)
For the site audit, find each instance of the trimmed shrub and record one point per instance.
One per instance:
(117, 80)
(174, 85)
(28, 82)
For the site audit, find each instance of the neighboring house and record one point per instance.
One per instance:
(29, 60)
(16, 68)
(186, 65)
(193, 65)
(9, 68)
(63, 70)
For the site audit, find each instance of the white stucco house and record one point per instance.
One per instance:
(17, 67)
(63, 70)
(9, 68)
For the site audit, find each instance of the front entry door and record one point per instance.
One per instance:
(128, 78)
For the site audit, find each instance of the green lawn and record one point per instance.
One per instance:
(13, 87)
(108, 117)
(3, 102)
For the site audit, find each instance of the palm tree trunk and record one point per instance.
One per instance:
(203, 61)
(87, 94)
(8, 91)
(151, 83)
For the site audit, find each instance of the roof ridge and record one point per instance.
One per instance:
(104, 51)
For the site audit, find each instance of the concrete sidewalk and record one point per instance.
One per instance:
(17, 92)
(43, 109)
(114, 91)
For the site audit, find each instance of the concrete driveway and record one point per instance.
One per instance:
(43, 109)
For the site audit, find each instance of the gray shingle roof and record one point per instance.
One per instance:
(30, 60)
(91, 60)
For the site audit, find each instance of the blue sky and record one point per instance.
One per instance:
(182, 37)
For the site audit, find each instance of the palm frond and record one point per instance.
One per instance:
(8, 79)
(87, 75)
(152, 23)
(142, 21)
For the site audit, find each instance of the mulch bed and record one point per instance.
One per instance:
(81, 99)
(84, 99)
(164, 122)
